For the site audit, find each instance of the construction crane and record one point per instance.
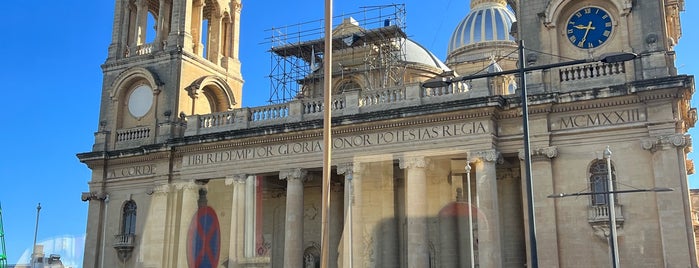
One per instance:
(3, 255)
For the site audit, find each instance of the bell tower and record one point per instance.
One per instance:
(167, 59)
(571, 29)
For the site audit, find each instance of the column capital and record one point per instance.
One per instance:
(186, 185)
(236, 178)
(491, 155)
(541, 153)
(413, 162)
(161, 189)
(654, 144)
(293, 174)
(348, 169)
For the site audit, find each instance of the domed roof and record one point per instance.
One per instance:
(416, 53)
(488, 20)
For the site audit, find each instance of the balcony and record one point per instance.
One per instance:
(600, 214)
(124, 244)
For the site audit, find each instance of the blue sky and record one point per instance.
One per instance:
(51, 53)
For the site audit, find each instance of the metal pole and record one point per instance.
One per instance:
(327, 120)
(527, 158)
(470, 217)
(36, 230)
(613, 248)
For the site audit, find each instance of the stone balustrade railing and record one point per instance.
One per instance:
(587, 71)
(298, 110)
(130, 134)
(601, 213)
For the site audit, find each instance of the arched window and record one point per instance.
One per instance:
(128, 226)
(599, 184)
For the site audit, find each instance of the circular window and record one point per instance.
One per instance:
(140, 101)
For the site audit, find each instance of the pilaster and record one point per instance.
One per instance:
(351, 234)
(668, 154)
(545, 208)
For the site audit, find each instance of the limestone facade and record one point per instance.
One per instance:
(422, 177)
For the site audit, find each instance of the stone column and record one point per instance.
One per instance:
(141, 21)
(293, 228)
(188, 204)
(675, 220)
(352, 231)
(213, 43)
(545, 208)
(236, 251)
(489, 243)
(416, 210)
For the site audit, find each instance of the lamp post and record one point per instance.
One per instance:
(521, 70)
(613, 247)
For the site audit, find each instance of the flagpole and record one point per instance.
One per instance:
(327, 148)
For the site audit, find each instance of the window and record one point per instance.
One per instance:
(598, 182)
(128, 226)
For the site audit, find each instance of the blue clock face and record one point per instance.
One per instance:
(589, 27)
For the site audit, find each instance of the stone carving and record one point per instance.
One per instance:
(541, 153)
(491, 155)
(413, 162)
(311, 212)
(237, 178)
(294, 174)
(348, 169)
(658, 143)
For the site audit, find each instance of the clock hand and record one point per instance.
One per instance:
(582, 27)
(589, 26)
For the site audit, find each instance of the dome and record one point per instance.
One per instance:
(488, 20)
(416, 53)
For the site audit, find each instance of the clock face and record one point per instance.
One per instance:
(589, 27)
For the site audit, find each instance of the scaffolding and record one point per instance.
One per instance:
(3, 254)
(297, 50)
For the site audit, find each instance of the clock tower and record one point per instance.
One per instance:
(588, 29)
(167, 59)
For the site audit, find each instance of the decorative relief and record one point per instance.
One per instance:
(348, 169)
(294, 174)
(487, 156)
(413, 162)
(161, 189)
(675, 140)
(541, 153)
(310, 212)
(689, 164)
(190, 185)
(237, 178)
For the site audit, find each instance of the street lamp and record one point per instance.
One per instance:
(521, 70)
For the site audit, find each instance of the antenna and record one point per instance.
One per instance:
(36, 230)
(3, 255)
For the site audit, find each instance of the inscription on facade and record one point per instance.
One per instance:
(598, 119)
(339, 143)
(131, 171)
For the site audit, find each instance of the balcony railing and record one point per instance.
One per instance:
(135, 133)
(587, 71)
(124, 244)
(600, 214)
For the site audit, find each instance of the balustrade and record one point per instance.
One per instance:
(269, 112)
(384, 96)
(591, 71)
(316, 105)
(216, 119)
(601, 213)
(136, 133)
(451, 89)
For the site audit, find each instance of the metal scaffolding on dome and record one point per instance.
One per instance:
(297, 50)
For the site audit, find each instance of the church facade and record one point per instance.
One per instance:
(423, 175)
